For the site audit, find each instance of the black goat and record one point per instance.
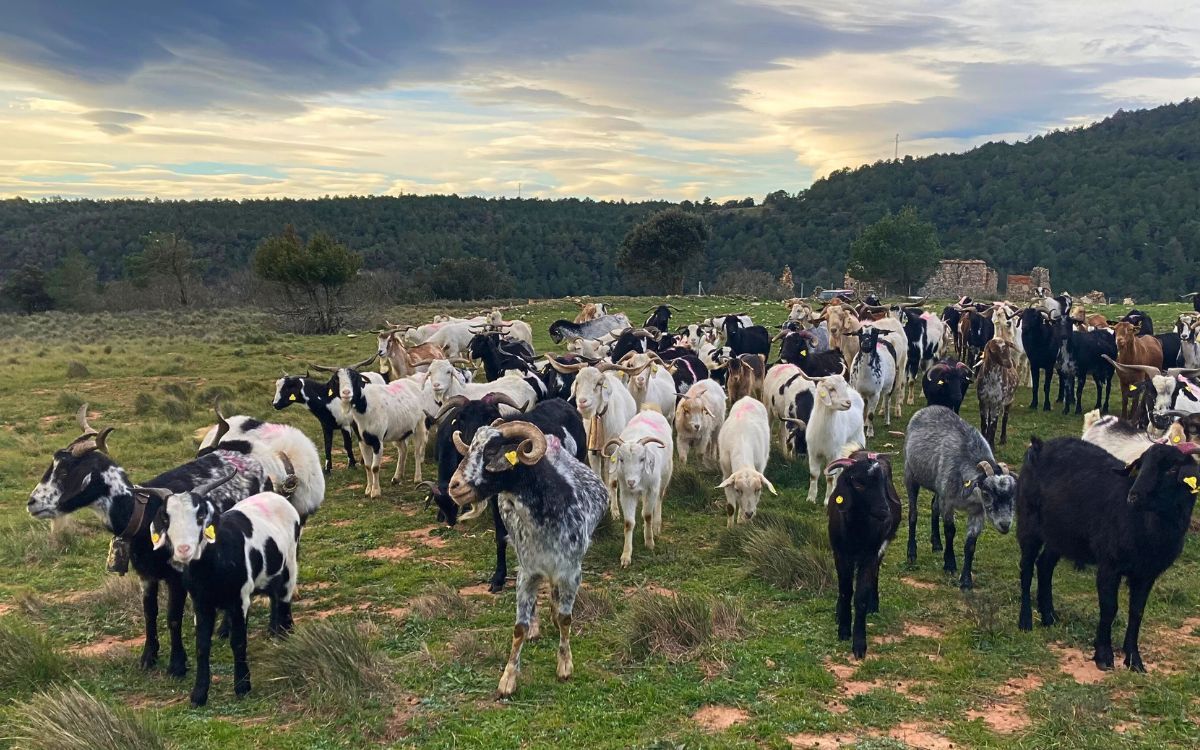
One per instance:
(631, 340)
(687, 370)
(743, 339)
(982, 330)
(1041, 347)
(863, 518)
(1077, 501)
(660, 317)
(946, 384)
(1172, 349)
(951, 314)
(1195, 298)
(554, 417)
(1140, 320)
(1082, 356)
(318, 397)
(499, 355)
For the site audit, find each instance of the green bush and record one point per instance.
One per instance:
(71, 719)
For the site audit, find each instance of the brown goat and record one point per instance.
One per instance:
(402, 361)
(1134, 350)
(996, 384)
(587, 311)
(745, 377)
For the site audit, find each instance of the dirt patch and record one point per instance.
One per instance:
(398, 552)
(341, 524)
(841, 672)
(407, 707)
(921, 736)
(1001, 718)
(1125, 727)
(345, 609)
(1076, 665)
(923, 585)
(106, 646)
(821, 741)
(651, 589)
(6, 608)
(918, 630)
(479, 589)
(849, 688)
(719, 718)
(425, 536)
(398, 613)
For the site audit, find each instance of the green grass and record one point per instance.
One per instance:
(398, 651)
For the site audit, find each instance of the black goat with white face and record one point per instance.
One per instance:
(551, 503)
(321, 399)
(225, 557)
(863, 518)
(83, 475)
(1079, 502)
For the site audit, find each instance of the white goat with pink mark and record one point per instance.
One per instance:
(642, 465)
(745, 445)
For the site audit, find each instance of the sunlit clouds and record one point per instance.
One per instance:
(605, 100)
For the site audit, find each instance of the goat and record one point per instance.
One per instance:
(591, 329)
(649, 381)
(590, 311)
(944, 454)
(836, 419)
(660, 317)
(516, 330)
(1188, 330)
(686, 371)
(1140, 321)
(319, 397)
(924, 333)
(1167, 393)
(1078, 502)
(83, 475)
(946, 384)
(286, 454)
(400, 360)
(551, 504)
(1040, 344)
(743, 339)
(642, 467)
(392, 413)
(996, 384)
(788, 396)
(873, 374)
(1134, 350)
(863, 519)
(745, 446)
(606, 407)
(1195, 298)
(499, 355)
(745, 376)
(698, 419)
(225, 557)
(1085, 353)
(1119, 437)
(463, 416)
(445, 383)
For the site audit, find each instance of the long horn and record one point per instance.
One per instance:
(650, 439)
(450, 405)
(799, 423)
(1146, 370)
(986, 468)
(209, 486)
(1186, 372)
(222, 423)
(1189, 295)
(365, 362)
(618, 442)
(81, 418)
(533, 443)
(323, 368)
(504, 400)
(462, 447)
(566, 368)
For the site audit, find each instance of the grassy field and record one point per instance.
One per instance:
(717, 639)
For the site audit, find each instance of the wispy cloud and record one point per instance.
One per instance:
(618, 99)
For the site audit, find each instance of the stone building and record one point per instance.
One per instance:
(956, 277)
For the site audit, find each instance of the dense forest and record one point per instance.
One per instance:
(1114, 206)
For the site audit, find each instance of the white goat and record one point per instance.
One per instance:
(745, 444)
(873, 374)
(606, 407)
(445, 383)
(649, 381)
(837, 419)
(392, 413)
(641, 467)
(698, 419)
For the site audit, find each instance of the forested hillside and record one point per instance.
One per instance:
(1115, 206)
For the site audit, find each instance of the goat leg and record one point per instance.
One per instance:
(1139, 591)
(1108, 581)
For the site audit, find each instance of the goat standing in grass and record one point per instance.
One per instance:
(996, 385)
(745, 445)
(642, 467)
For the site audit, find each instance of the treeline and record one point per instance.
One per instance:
(1114, 206)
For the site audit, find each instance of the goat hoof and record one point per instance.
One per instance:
(936, 545)
(149, 659)
(495, 586)
(1048, 619)
(1025, 622)
(860, 650)
(1104, 662)
(177, 669)
(199, 700)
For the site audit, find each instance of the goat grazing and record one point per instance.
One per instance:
(551, 504)
(226, 557)
(1078, 502)
(863, 519)
(745, 446)
(642, 467)
(944, 454)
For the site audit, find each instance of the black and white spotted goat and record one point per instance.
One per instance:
(83, 475)
(321, 399)
(551, 503)
(226, 557)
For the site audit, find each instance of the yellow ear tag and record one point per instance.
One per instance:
(292, 397)
(1176, 439)
(1191, 482)
(330, 391)
(941, 382)
(967, 483)
(803, 352)
(822, 392)
(839, 499)
(210, 533)
(512, 457)
(154, 537)
(1133, 387)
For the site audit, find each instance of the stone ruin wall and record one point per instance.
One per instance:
(956, 277)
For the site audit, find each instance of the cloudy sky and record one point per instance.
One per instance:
(609, 99)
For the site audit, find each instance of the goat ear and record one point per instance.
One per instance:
(1130, 469)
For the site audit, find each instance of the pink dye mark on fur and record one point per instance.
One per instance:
(270, 429)
(743, 408)
(926, 316)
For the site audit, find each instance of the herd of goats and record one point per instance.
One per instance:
(548, 442)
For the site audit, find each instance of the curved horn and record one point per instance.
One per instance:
(986, 468)
(209, 486)
(323, 368)
(650, 439)
(102, 437)
(365, 362)
(618, 442)
(1004, 470)
(222, 423)
(799, 423)
(426, 485)
(450, 405)
(81, 418)
(505, 400)
(533, 443)
(1186, 372)
(565, 368)
(461, 362)
(462, 447)
(837, 464)
(1144, 369)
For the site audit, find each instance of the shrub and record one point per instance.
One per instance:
(69, 403)
(70, 719)
(27, 660)
(77, 370)
(144, 404)
(677, 627)
(176, 390)
(439, 601)
(329, 663)
(790, 558)
(176, 411)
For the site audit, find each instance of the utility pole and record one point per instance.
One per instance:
(896, 153)
(519, 187)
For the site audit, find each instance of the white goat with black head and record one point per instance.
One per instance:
(642, 467)
(392, 413)
(551, 504)
(873, 374)
(226, 557)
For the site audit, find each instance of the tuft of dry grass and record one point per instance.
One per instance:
(28, 661)
(29, 542)
(678, 627)
(176, 410)
(329, 664)
(77, 369)
(68, 718)
(793, 556)
(473, 647)
(144, 404)
(439, 601)
(591, 606)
